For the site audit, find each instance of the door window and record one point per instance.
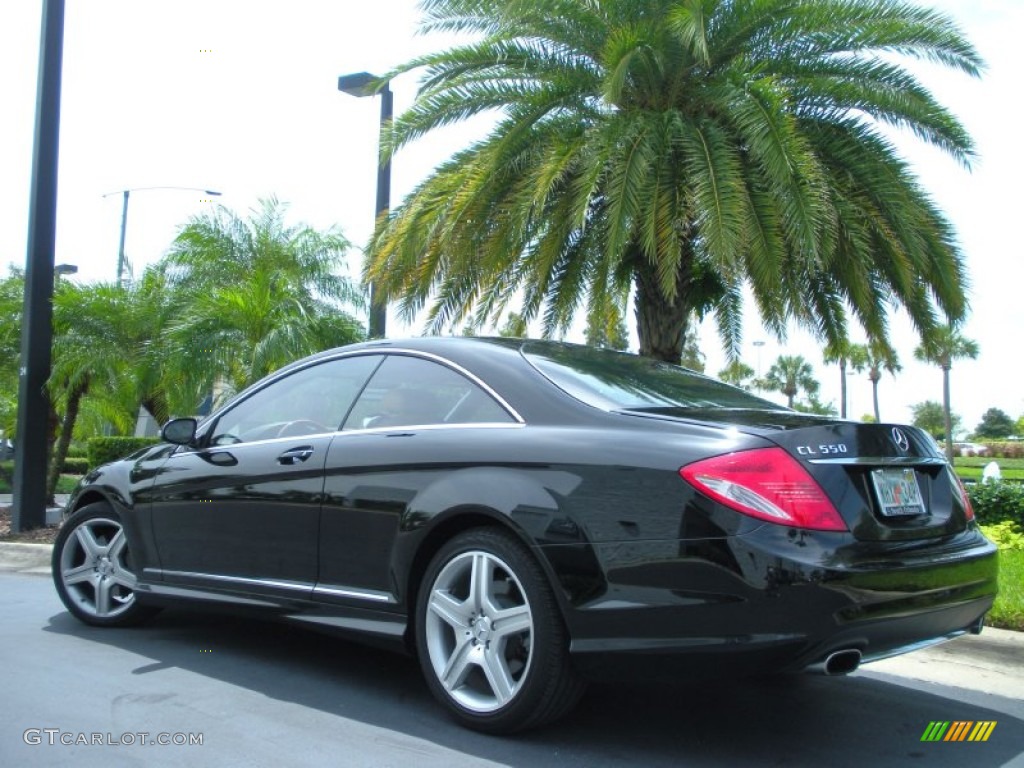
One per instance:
(409, 391)
(309, 401)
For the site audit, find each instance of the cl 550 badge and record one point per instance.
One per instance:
(826, 449)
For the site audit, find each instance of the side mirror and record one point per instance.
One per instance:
(179, 431)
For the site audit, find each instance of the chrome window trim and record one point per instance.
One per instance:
(185, 451)
(455, 367)
(431, 427)
(381, 352)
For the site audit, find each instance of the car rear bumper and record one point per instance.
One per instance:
(772, 600)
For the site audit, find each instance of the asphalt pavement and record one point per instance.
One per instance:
(267, 694)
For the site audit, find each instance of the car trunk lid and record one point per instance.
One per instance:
(888, 482)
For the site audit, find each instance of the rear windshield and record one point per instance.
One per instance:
(620, 381)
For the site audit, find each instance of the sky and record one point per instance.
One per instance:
(240, 97)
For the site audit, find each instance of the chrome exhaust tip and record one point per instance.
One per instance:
(842, 662)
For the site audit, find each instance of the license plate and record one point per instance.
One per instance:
(898, 492)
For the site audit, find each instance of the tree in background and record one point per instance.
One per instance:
(233, 300)
(876, 359)
(93, 350)
(942, 348)
(608, 332)
(253, 294)
(684, 150)
(813, 405)
(845, 354)
(737, 373)
(934, 419)
(995, 424)
(514, 327)
(790, 375)
(12, 297)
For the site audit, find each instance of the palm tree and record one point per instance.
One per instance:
(737, 373)
(942, 348)
(683, 149)
(253, 294)
(877, 359)
(789, 375)
(92, 350)
(845, 354)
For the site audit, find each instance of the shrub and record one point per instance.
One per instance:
(78, 450)
(1005, 535)
(74, 465)
(105, 449)
(997, 502)
(1009, 449)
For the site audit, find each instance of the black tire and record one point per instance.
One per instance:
(93, 571)
(497, 657)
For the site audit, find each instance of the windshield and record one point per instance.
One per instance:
(621, 381)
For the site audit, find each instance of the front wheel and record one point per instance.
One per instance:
(93, 570)
(490, 636)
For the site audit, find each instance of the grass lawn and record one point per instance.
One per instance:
(970, 467)
(981, 461)
(65, 484)
(1008, 611)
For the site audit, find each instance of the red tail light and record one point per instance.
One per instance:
(766, 483)
(968, 509)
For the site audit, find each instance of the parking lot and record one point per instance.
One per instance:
(274, 695)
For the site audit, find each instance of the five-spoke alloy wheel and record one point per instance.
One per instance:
(92, 569)
(490, 636)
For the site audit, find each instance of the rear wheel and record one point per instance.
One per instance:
(490, 637)
(93, 569)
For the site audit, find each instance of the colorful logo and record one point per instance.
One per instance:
(958, 730)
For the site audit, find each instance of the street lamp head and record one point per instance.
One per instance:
(212, 192)
(361, 84)
(65, 269)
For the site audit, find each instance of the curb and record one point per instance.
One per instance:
(21, 557)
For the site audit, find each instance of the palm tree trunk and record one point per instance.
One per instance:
(875, 376)
(661, 324)
(947, 416)
(842, 387)
(60, 450)
(156, 404)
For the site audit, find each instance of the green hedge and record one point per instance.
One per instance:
(996, 502)
(75, 466)
(106, 449)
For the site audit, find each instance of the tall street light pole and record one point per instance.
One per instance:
(28, 509)
(126, 193)
(364, 84)
(757, 346)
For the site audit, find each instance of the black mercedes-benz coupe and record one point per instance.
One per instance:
(523, 515)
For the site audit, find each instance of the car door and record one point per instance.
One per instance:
(242, 510)
(413, 413)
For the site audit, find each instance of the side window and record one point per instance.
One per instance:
(408, 391)
(307, 402)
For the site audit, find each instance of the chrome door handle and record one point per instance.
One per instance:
(295, 455)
